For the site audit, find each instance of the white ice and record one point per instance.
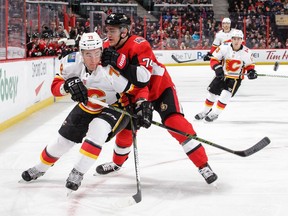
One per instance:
(171, 185)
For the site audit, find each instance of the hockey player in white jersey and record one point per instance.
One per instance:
(82, 75)
(221, 37)
(229, 61)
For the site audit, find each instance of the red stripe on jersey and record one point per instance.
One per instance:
(221, 105)
(249, 67)
(47, 159)
(90, 149)
(209, 103)
(214, 62)
(213, 48)
(56, 84)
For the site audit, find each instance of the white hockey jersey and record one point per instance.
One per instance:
(234, 62)
(222, 37)
(105, 83)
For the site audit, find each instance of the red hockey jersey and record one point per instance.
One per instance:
(139, 52)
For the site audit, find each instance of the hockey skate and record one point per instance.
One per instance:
(202, 115)
(208, 174)
(211, 117)
(31, 174)
(73, 182)
(106, 168)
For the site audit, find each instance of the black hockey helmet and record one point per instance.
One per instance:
(118, 19)
(35, 35)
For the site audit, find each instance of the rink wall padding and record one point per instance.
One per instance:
(25, 88)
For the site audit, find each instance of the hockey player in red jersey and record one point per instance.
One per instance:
(230, 61)
(131, 54)
(83, 77)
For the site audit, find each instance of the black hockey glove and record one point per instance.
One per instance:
(219, 71)
(144, 111)
(117, 60)
(207, 57)
(252, 74)
(76, 88)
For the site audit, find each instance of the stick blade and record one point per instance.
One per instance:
(175, 59)
(128, 201)
(257, 147)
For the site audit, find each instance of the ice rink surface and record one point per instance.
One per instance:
(171, 185)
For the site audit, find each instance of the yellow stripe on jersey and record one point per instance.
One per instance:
(88, 110)
(82, 151)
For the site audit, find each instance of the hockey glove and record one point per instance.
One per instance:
(144, 112)
(76, 88)
(252, 74)
(207, 57)
(219, 71)
(117, 60)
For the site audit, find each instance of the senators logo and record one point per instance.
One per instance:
(232, 65)
(163, 107)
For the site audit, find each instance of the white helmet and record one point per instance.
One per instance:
(237, 33)
(226, 20)
(90, 41)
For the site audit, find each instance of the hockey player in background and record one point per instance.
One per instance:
(229, 61)
(131, 54)
(83, 77)
(222, 36)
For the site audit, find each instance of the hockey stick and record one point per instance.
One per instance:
(270, 75)
(138, 196)
(243, 153)
(266, 75)
(179, 61)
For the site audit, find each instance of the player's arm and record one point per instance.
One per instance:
(216, 63)
(136, 72)
(250, 65)
(214, 46)
(143, 107)
(57, 86)
(70, 82)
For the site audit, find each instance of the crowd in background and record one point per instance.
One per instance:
(180, 27)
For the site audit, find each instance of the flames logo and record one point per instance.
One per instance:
(97, 94)
(232, 65)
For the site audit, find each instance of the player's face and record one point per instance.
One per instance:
(226, 27)
(236, 42)
(113, 34)
(92, 58)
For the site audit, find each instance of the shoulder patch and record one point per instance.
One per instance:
(71, 57)
(139, 40)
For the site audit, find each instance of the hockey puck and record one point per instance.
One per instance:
(276, 66)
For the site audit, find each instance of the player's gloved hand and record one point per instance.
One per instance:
(76, 88)
(219, 71)
(252, 74)
(207, 57)
(112, 57)
(144, 112)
